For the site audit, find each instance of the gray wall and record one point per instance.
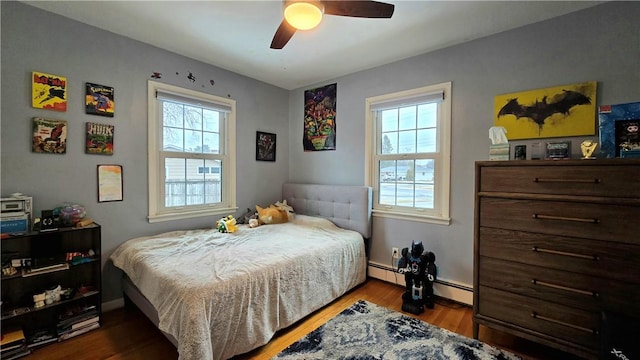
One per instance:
(600, 43)
(36, 40)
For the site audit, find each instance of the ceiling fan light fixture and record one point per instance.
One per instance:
(303, 15)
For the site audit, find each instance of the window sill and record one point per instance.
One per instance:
(431, 219)
(190, 214)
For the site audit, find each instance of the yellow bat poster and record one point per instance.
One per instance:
(49, 91)
(560, 111)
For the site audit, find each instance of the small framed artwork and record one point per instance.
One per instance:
(99, 139)
(49, 91)
(99, 100)
(109, 183)
(265, 146)
(49, 136)
(619, 130)
(558, 150)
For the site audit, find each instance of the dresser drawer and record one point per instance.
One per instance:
(597, 180)
(595, 221)
(553, 320)
(591, 257)
(563, 287)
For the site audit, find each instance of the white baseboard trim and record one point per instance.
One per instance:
(448, 289)
(113, 304)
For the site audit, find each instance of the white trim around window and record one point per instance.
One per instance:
(157, 93)
(438, 155)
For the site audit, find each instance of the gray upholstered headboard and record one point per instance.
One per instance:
(349, 207)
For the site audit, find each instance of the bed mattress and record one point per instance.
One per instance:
(224, 294)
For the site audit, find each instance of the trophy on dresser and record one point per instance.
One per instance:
(588, 147)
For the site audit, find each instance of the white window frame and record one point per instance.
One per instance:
(156, 176)
(442, 157)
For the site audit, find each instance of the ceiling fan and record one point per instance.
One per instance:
(307, 14)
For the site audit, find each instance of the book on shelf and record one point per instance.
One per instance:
(41, 337)
(11, 339)
(43, 270)
(80, 331)
(78, 324)
(13, 345)
(15, 354)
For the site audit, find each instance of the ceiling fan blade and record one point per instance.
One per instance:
(283, 35)
(363, 9)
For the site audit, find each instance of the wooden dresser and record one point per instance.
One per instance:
(557, 244)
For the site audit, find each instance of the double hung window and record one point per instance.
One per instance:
(408, 149)
(191, 153)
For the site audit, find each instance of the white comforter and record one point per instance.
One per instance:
(221, 295)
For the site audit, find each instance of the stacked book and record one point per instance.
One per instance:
(78, 321)
(41, 337)
(13, 345)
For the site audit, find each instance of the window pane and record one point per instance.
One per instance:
(407, 118)
(175, 181)
(389, 120)
(172, 139)
(213, 187)
(407, 140)
(427, 140)
(389, 143)
(193, 117)
(195, 182)
(424, 183)
(211, 143)
(193, 141)
(211, 120)
(428, 115)
(172, 114)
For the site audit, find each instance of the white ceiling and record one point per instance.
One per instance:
(235, 35)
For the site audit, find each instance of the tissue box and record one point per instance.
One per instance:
(499, 152)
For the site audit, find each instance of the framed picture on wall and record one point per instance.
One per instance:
(265, 146)
(109, 183)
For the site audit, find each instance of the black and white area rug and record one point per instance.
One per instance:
(367, 331)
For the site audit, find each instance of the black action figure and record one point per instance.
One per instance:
(420, 271)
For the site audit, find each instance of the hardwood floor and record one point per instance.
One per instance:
(128, 334)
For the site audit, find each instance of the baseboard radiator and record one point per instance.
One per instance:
(447, 289)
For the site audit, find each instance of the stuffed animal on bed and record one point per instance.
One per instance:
(271, 215)
(284, 206)
(227, 224)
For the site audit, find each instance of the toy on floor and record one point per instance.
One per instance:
(420, 271)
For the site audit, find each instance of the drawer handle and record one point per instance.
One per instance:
(555, 321)
(566, 288)
(560, 180)
(564, 218)
(564, 253)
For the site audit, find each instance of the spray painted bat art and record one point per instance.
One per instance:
(554, 112)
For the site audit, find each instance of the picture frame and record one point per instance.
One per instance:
(616, 140)
(558, 150)
(553, 112)
(110, 183)
(99, 99)
(265, 146)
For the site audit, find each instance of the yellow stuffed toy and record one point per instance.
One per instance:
(227, 224)
(271, 215)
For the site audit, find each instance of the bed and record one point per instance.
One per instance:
(217, 295)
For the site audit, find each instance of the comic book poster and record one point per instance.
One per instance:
(49, 136)
(99, 100)
(49, 91)
(99, 139)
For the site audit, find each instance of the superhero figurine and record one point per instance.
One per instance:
(420, 271)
